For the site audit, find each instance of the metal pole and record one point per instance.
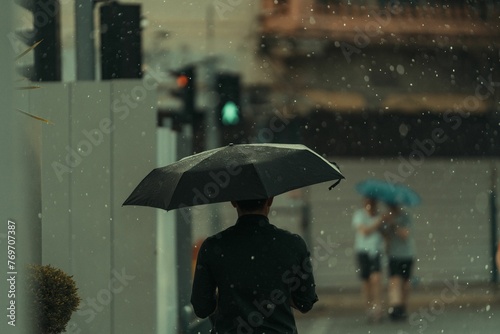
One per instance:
(183, 239)
(85, 47)
(212, 126)
(213, 140)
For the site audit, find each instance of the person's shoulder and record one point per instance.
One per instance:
(218, 236)
(285, 234)
(359, 211)
(359, 216)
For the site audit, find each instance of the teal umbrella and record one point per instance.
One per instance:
(388, 192)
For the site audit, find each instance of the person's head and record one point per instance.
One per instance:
(253, 206)
(370, 204)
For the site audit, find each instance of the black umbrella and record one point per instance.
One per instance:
(231, 173)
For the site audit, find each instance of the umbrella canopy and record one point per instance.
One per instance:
(231, 173)
(390, 193)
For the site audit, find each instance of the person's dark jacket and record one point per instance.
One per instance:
(248, 276)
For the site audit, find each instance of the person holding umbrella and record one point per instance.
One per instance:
(250, 276)
(368, 246)
(400, 246)
(395, 227)
(401, 252)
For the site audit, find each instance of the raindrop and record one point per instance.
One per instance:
(400, 69)
(403, 130)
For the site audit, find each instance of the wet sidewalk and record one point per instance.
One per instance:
(449, 307)
(434, 296)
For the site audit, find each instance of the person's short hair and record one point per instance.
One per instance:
(251, 204)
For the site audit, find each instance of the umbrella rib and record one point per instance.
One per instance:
(263, 185)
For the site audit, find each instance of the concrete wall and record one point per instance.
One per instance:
(102, 143)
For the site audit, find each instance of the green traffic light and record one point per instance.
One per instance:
(230, 114)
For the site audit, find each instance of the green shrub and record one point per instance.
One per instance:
(55, 298)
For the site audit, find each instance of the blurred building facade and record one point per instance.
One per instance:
(375, 78)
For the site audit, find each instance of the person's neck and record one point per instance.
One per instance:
(252, 213)
(256, 212)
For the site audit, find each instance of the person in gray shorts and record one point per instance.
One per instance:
(401, 252)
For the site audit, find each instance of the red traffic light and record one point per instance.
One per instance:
(185, 88)
(182, 80)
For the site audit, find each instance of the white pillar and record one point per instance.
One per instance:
(167, 311)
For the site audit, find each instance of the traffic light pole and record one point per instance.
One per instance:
(183, 239)
(212, 138)
(211, 118)
(212, 124)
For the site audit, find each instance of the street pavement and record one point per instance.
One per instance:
(450, 308)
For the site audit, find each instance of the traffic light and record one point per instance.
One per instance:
(185, 90)
(121, 43)
(228, 91)
(46, 30)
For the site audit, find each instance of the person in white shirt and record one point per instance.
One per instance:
(368, 246)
